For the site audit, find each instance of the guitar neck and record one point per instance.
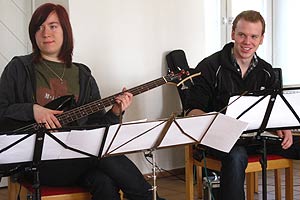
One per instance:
(95, 106)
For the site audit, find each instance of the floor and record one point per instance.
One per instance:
(173, 188)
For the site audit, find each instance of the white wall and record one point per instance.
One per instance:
(14, 17)
(125, 43)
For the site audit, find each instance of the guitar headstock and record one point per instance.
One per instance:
(181, 77)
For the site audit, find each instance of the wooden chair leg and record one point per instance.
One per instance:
(12, 190)
(289, 182)
(199, 182)
(189, 173)
(256, 182)
(250, 185)
(277, 176)
(15, 189)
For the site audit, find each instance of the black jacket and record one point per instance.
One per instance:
(18, 86)
(220, 79)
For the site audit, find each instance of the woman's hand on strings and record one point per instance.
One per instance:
(46, 116)
(123, 101)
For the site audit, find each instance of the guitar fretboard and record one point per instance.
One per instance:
(95, 106)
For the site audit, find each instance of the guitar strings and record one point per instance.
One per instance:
(97, 105)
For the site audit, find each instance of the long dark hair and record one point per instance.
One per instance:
(39, 17)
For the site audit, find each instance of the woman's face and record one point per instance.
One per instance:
(49, 37)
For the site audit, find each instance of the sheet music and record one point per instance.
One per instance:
(194, 127)
(88, 141)
(254, 116)
(131, 137)
(224, 133)
(281, 115)
(206, 129)
(21, 152)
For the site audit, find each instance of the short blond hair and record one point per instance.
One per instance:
(250, 16)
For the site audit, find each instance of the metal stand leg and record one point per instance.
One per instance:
(152, 155)
(154, 187)
(36, 184)
(263, 162)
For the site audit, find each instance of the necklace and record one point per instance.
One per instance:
(53, 72)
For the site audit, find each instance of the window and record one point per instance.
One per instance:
(280, 42)
(219, 16)
(286, 40)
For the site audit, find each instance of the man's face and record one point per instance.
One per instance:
(247, 36)
(49, 37)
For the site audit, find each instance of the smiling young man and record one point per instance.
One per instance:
(233, 70)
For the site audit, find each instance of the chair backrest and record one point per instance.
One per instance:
(177, 61)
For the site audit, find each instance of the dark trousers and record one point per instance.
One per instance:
(234, 163)
(115, 173)
(104, 178)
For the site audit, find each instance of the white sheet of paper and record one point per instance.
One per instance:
(281, 115)
(21, 152)
(195, 127)
(88, 141)
(224, 133)
(132, 137)
(142, 136)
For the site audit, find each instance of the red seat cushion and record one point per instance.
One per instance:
(49, 191)
(255, 158)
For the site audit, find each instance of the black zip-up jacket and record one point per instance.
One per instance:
(220, 79)
(17, 93)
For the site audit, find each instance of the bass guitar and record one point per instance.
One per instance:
(68, 116)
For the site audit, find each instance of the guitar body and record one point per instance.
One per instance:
(62, 103)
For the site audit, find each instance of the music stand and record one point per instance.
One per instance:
(171, 132)
(30, 149)
(119, 139)
(263, 113)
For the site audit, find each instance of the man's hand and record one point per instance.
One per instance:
(195, 112)
(46, 116)
(123, 101)
(287, 138)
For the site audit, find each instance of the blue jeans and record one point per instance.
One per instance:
(232, 172)
(234, 163)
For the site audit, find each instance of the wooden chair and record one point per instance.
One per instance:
(274, 163)
(48, 193)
